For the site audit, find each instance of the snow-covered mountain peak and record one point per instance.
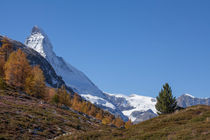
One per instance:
(36, 29)
(73, 78)
(189, 95)
(39, 41)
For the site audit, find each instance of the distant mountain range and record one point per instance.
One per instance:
(187, 100)
(140, 108)
(59, 72)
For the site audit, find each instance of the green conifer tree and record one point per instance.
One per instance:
(166, 103)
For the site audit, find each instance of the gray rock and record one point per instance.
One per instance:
(186, 101)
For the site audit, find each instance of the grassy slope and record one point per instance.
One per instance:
(192, 123)
(25, 117)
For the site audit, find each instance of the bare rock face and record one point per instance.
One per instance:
(143, 115)
(187, 100)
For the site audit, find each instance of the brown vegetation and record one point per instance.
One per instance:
(188, 124)
(16, 73)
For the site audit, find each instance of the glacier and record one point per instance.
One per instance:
(135, 107)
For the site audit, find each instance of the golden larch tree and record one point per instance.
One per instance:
(17, 69)
(128, 124)
(118, 122)
(5, 50)
(35, 83)
(64, 96)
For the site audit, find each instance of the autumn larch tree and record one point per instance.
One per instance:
(55, 99)
(64, 96)
(17, 69)
(76, 102)
(128, 124)
(5, 50)
(118, 122)
(35, 83)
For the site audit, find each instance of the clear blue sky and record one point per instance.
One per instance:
(123, 46)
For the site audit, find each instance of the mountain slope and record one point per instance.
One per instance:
(26, 117)
(73, 78)
(35, 58)
(192, 123)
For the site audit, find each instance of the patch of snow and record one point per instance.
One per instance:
(98, 100)
(189, 95)
(132, 118)
(138, 102)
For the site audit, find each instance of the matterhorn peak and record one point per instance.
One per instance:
(36, 29)
(74, 78)
(39, 41)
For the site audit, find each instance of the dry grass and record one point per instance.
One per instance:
(24, 117)
(188, 124)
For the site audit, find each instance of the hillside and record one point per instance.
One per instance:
(34, 58)
(25, 117)
(192, 123)
(31, 109)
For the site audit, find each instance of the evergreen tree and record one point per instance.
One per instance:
(166, 103)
